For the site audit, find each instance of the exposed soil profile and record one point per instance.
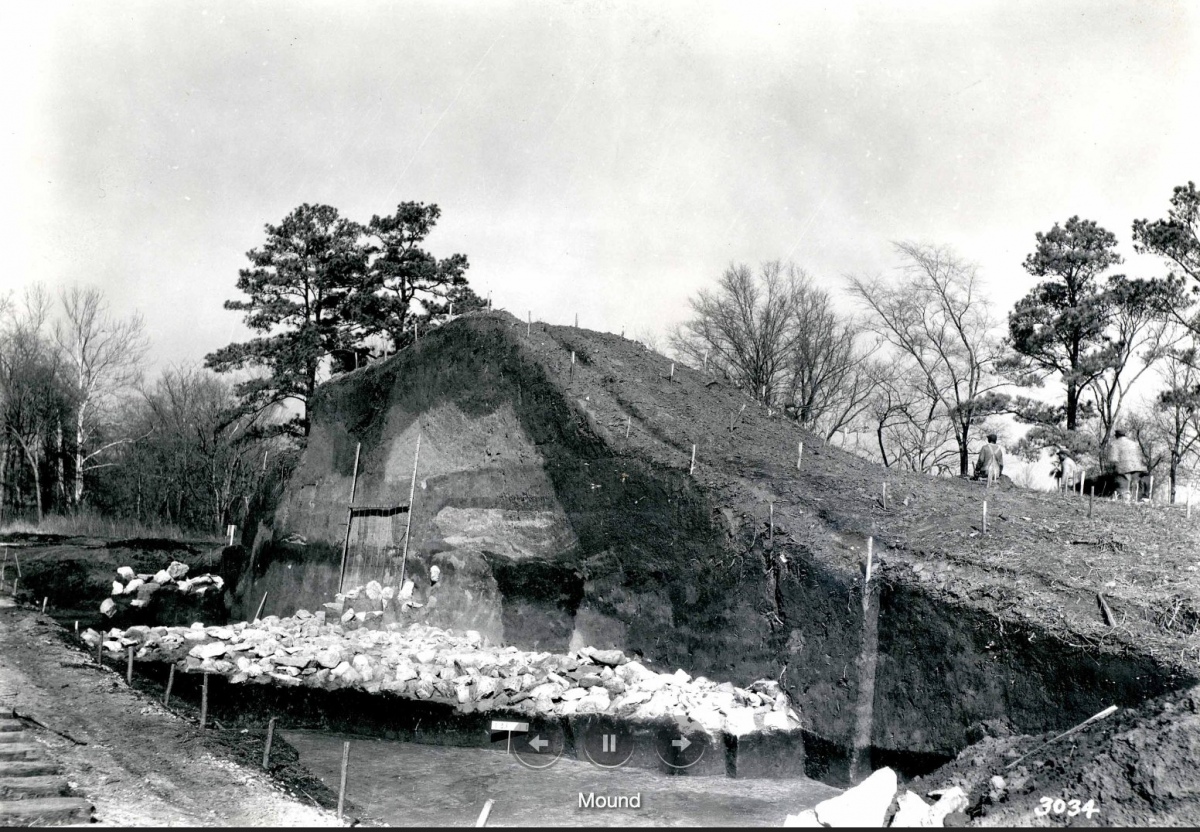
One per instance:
(608, 502)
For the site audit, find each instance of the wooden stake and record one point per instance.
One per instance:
(870, 560)
(350, 516)
(706, 361)
(267, 747)
(261, 603)
(628, 424)
(129, 666)
(45, 601)
(1081, 470)
(1151, 488)
(693, 466)
(17, 561)
(342, 787)
(170, 684)
(771, 521)
(412, 495)
(1105, 611)
(487, 810)
(799, 455)
(204, 702)
(15, 588)
(985, 516)
(672, 376)
(1109, 711)
(76, 626)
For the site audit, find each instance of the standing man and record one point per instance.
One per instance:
(990, 464)
(1126, 462)
(1067, 471)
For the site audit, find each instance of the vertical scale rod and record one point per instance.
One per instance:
(885, 495)
(204, 702)
(799, 455)
(985, 516)
(170, 684)
(628, 424)
(267, 747)
(672, 376)
(692, 469)
(412, 495)
(1151, 490)
(45, 601)
(129, 666)
(342, 787)
(349, 516)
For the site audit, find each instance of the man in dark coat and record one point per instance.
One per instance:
(990, 464)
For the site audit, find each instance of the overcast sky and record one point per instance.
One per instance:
(601, 158)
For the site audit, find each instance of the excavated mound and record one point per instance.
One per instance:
(556, 495)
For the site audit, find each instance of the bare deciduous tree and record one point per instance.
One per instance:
(936, 316)
(101, 355)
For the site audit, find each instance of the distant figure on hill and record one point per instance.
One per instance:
(990, 464)
(1067, 471)
(1126, 462)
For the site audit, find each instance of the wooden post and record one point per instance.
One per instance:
(628, 424)
(129, 666)
(693, 466)
(45, 601)
(342, 787)
(1081, 470)
(1151, 490)
(706, 361)
(799, 455)
(985, 516)
(15, 588)
(487, 810)
(232, 530)
(412, 495)
(350, 516)
(170, 684)
(870, 561)
(671, 377)
(204, 702)
(17, 561)
(261, 603)
(76, 626)
(267, 747)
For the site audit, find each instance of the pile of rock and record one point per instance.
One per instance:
(417, 661)
(868, 804)
(134, 590)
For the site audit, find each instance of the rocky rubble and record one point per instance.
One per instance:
(867, 806)
(135, 590)
(332, 650)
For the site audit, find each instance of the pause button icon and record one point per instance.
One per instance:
(609, 743)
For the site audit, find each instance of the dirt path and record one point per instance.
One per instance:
(139, 764)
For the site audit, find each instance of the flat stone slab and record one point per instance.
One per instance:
(28, 768)
(20, 751)
(16, 788)
(11, 725)
(45, 811)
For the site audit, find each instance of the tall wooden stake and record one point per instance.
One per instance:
(349, 516)
(129, 666)
(870, 560)
(799, 455)
(261, 604)
(412, 495)
(706, 361)
(628, 424)
(985, 516)
(692, 469)
(1151, 488)
(342, 787)
(672, 376)
(170, 684)
(771, 522)
(204, 702)
(267, 747)
(45, 601)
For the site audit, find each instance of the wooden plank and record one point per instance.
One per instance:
(20, 751)
(17, 788)
(28, 768)
(45, 811)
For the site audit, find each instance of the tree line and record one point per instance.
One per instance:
(925, 363)
(82, 428)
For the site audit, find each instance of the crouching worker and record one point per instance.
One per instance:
(1067, 472)
(1126, 463)
(990, 464)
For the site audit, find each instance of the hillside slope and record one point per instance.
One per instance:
(557, 500)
